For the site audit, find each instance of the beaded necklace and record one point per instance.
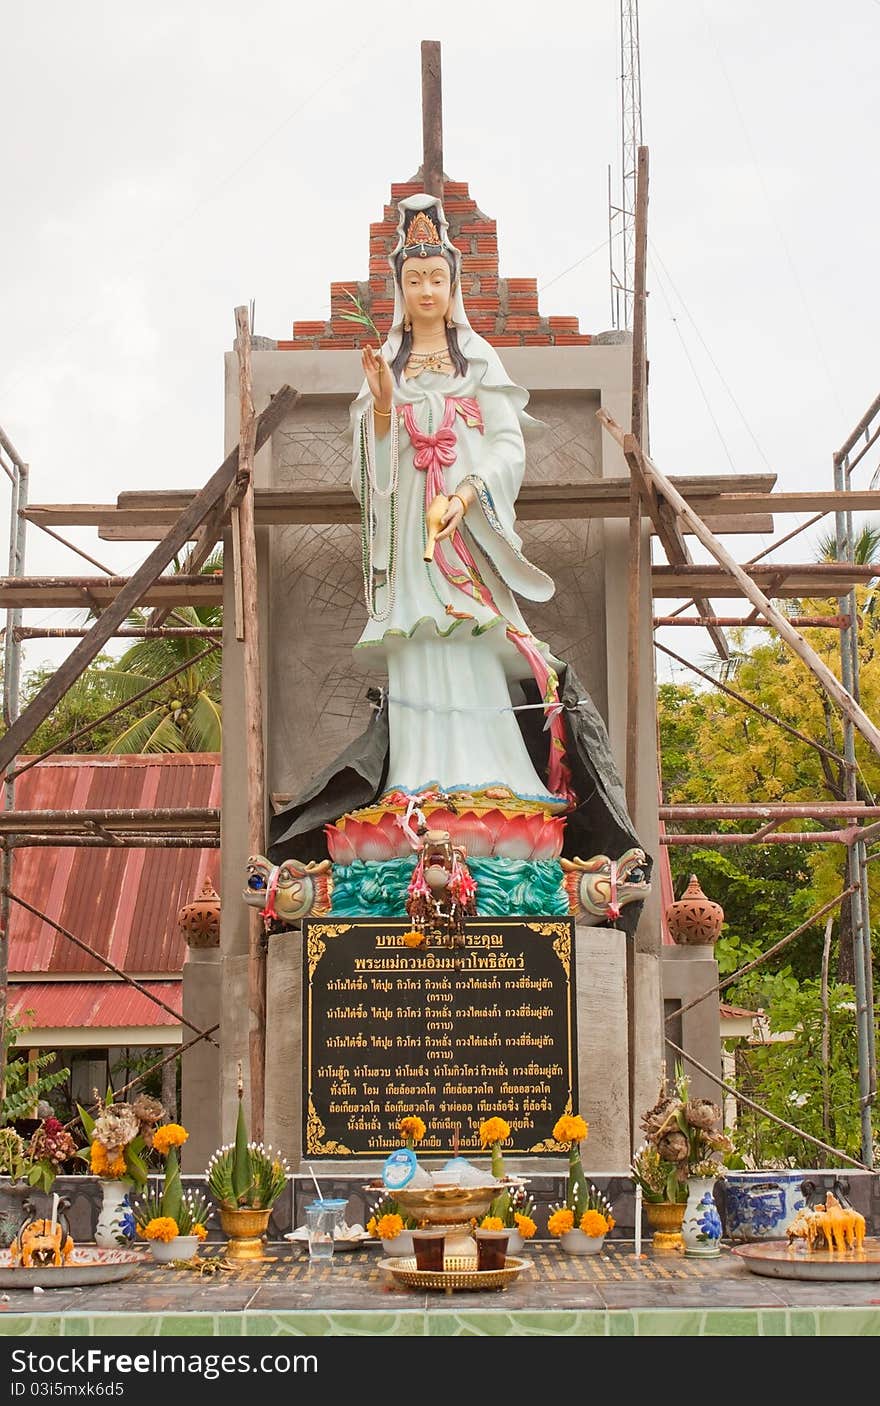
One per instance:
(371, 489)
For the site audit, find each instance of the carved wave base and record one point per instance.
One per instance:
(505, 887)
(593, 890)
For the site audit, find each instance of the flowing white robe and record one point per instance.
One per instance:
(451, 721)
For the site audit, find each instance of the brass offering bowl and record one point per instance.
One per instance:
(448, 1205)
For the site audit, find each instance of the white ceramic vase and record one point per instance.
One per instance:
(515, 1243)
(701, 1227)
(115, 1224)
(575, 1242)
(402, 1244)
(182, 1247)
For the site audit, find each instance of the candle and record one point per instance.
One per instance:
(638, 1250)
(55, 1199)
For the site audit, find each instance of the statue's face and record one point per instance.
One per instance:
(426, 286)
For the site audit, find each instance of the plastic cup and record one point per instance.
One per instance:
(429, 1247)
(322, 1218)
(491, 1248)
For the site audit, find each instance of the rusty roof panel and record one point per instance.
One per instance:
(122, 902)
(71, 1004)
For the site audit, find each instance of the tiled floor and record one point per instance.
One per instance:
(609, 1295)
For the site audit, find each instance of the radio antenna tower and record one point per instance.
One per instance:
(622, 217)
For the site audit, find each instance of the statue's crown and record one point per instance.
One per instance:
(422, 238)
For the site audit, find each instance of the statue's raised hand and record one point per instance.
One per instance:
(379, 378)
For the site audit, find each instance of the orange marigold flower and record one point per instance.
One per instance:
(491, 1223)
(101, 1163)
(594, 1224)
(160, 1228)
(199, 1230)
(168, 1136)
(389, 1227)
(525, 1225)
(414, 939)
(494, 1130)
(371, 1228)
(412, 1127)
(570, 1128)
(560, 1221)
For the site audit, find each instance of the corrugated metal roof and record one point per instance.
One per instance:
(122, 902)
(69, 1005)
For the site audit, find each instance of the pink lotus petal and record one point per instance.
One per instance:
(339, 846)
(373, 843)
(517, 840)
(495, 821)
(549, 842)
(468, 830)
(440, 819)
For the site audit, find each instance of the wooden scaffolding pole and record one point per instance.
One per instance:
(248, 630)
(108, 622)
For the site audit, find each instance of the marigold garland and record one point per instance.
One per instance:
(412, 1127)
(101, 1163)
(561, 1221)
(594, 1224)
(570, 1128)
(168, 1136)
(525, 1225)
(389, 1227)
(161, 1228)
(494, 1130)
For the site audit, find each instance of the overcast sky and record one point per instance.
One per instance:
(162, 164)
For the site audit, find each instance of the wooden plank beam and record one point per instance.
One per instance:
(752, 525)
(14, 822)
(783, 581)
(134, 590)
(159, 508)
(52, 592)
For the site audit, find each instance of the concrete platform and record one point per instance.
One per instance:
(608, 1295)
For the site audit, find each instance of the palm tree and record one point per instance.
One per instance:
(865, 546)
(184, 714)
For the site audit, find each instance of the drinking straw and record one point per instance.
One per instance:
(317, 1187)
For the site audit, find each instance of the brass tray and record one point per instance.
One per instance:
(87, 1265)
(459, 1272)
(777, 1259)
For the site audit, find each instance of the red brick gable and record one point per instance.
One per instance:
(503, 310)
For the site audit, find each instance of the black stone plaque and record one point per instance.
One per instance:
(454, 1036)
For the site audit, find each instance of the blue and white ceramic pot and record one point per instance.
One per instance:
(762, 1205)
(701, 1227)
(115, 1226)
